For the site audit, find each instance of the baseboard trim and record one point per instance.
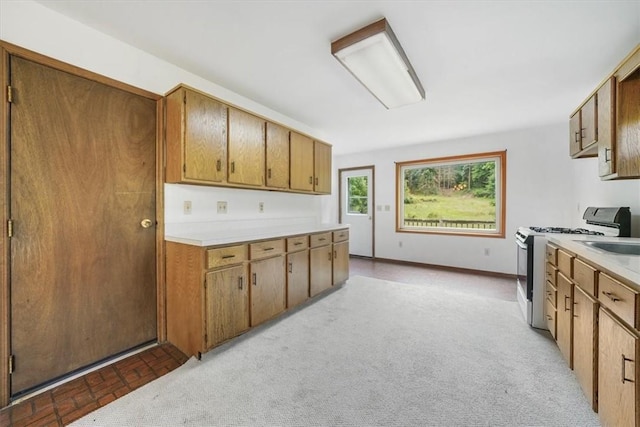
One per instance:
(439, 267)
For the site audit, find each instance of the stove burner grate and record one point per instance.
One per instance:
(563, 230)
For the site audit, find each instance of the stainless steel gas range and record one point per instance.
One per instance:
(531, 243)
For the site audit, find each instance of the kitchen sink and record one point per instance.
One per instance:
(622, 248)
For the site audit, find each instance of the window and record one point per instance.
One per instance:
(357, 198)
(452, 195)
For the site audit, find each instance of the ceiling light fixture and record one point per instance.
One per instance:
(374, 56)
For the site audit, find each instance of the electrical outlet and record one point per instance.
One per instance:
(400, 243)
(487, 252)
(187, 207)
(222, 207)
(261, 207)
(387, 208)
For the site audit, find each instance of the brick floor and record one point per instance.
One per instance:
(75, 399)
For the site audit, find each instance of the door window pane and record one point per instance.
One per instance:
(357, 195)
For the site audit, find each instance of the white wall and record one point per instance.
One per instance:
(544, 187)
(33, 26)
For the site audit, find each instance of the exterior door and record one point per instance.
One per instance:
(356, 209)
(82, 260)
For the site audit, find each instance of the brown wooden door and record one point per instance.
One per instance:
(277, 153)
(297, 278)
(585, 343)
(564, 331)
(320, 269)
(82, 178)
(246, 148)
(301, 158)
(322, 167)
(606, 127)
(268, 289)
(226, 304)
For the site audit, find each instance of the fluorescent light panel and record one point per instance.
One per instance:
(374, 56)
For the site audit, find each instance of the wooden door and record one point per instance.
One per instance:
(297, 278)
(564, 328)
(575, 142)
(618, 373)
(301, 159)
(277, 156)
(268, 289)
(322, 167)
(226, 305)
(205, 137)
(82, 179)
(246, 148)
(589, 117)
(340, 262)
(606, 127)
(320, 269)
(585, 343)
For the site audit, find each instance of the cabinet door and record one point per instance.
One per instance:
(297, 278)
(205, 138)
(322, 167)
(277, 156)
(268, 289)
(340, 262)
(618, 373)
(564, 328)
(585, 343)
(246, 148)
(320, 269)
(606, 127)
(588, 118)
(627, 134)
(301, 162)
(574, 134)
(226, 305)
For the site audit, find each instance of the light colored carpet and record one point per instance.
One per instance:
(372, 353)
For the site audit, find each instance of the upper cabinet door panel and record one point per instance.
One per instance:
(574, 134)
(277, 156)
(246, 148)
(606, 128)
(588, 116)
(322, 167)
(301, 162)
(205, 138)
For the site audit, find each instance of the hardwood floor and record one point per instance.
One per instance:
(71, 401)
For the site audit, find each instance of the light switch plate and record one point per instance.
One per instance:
(261, 207)
(187, 207)
(222, 207)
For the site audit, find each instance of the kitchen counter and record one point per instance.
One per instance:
(230, 232)
(626, 266)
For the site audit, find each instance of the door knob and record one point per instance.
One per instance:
(146, 223)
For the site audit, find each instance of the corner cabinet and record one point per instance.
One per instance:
(209, 142)
(196, 138)
(217, 293)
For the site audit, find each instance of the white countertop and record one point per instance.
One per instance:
(229, 232)
(626, 266)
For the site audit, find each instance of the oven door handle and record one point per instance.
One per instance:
(522, 245)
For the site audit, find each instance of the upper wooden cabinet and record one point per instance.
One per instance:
(301, 162)
(209, 142)
(322, 167)
(277, 156)
(608, 122)
(246, 148)
(196, 138)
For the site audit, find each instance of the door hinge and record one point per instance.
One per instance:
(9, 94)
(11, 363)
(9, 228)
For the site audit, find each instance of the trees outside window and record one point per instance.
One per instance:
(453, 195)
(357, 197)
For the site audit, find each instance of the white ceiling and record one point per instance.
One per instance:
(487, 66)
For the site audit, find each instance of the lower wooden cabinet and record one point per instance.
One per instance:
(297, 277)
(564, 320)
(268, 289)
(585, 343)
(618, 373)
(226, 305)
(340, 262)
(320, 269)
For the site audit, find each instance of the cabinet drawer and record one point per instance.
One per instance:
(320, 239)
(551, 272)
(266, 249)
(219, 257)
(619, 298)
(552, 254)
(340, 235)
(585, 276)
(297, 243)
(565, 263)
(551, 294)
(550, 316)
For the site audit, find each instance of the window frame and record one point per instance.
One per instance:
(349, 196)
(501, 193)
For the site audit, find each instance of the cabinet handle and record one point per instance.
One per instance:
(576, 138)
(329, 253)
(218, 165)
(233, 167)
(322, 239)
(565, 303)
(549, 317)
(611, 296)
(290, 267)
(335, 254)
(269, 173)
(228, 256)
(582, 132)
(607, 159)
(623, 373)
(316, 180)
(297, 243)
(255, 280)
(268, 249)
(310, 180)
(240, 280)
